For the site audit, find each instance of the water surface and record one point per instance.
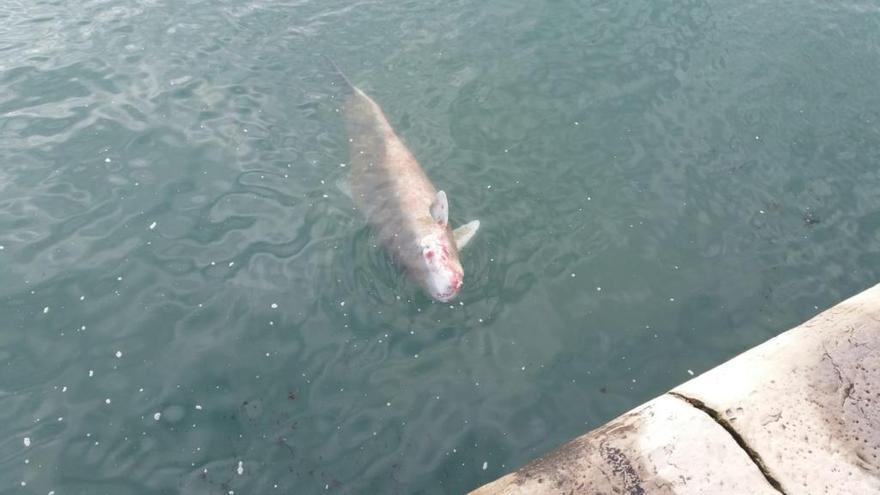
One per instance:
(190, 305)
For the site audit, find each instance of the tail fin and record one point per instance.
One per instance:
(340, 73)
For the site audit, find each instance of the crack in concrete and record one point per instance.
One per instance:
(848, 385)
(722, 422)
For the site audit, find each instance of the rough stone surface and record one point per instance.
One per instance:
(808, 401)
(799, 414)
(665, 446)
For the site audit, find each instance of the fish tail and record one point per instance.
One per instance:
(339, 72)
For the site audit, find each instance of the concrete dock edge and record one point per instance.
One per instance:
(798, 414)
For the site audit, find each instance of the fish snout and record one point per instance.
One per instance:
(451, 290)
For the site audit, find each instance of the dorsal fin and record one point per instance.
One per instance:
(440, 209)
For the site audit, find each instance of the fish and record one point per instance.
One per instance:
(407, 213)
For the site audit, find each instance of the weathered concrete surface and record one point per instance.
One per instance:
(799, 414)
(808, 401)
(665, 446)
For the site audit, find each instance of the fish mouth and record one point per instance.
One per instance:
(449, 295)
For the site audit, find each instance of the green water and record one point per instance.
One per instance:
(185, 292)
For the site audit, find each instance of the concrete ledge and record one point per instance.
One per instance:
(797, 414)
(663, 446)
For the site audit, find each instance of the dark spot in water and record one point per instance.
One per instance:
(604, 390)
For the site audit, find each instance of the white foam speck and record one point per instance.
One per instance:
(27, 441)
(598, 289)
(2, 247)
(64, 388)
(118, 354)
(82, 298)
(107, 400)
(107, 160)
(52, 492)
(387, 404)
(691, 372)
(157, 416)
(46, 310)
(91, 373)
(199, 407)
(485, 465)
(240, 468)
(152, 225)
(119, 278)
(274, 305)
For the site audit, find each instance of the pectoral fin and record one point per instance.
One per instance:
(465, 233)
(440, 209)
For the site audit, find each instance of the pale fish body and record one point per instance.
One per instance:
(409, 216)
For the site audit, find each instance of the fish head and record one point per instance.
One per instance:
(443, 273)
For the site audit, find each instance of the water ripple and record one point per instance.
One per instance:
(190, 302)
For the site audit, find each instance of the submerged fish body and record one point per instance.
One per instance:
(409, 216)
